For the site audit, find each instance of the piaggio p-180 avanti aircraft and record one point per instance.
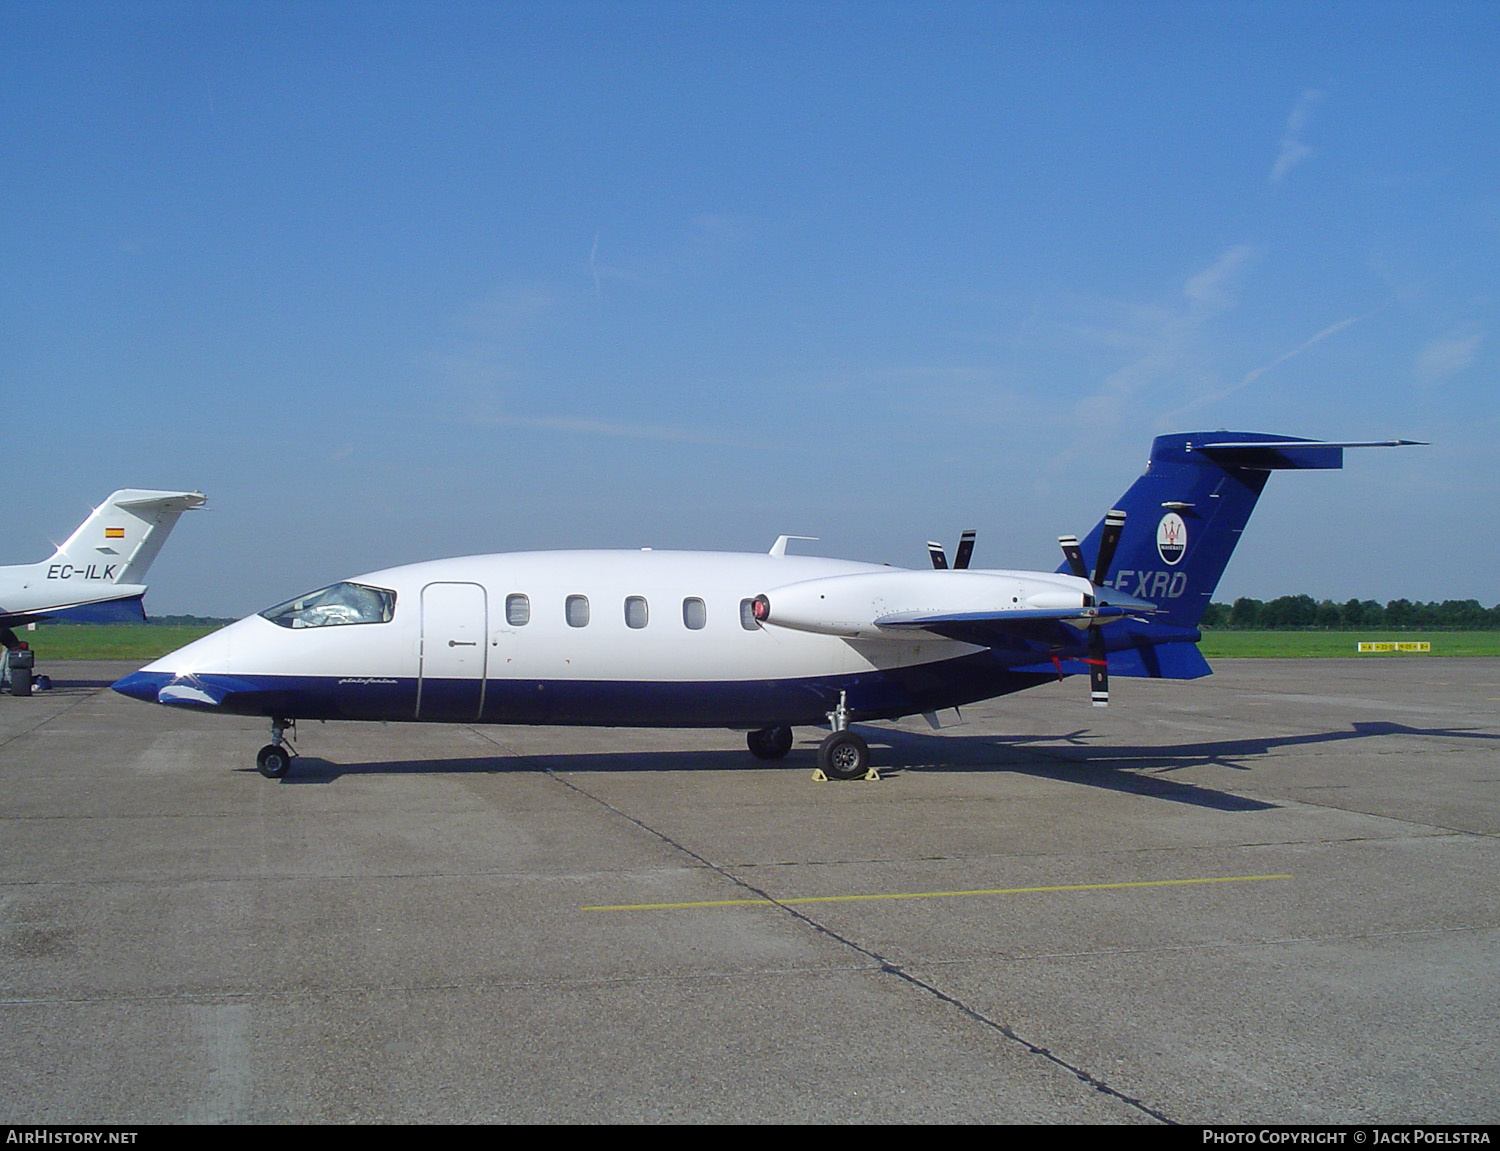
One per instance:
(759, 643)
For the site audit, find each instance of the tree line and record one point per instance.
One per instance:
(1302, 611)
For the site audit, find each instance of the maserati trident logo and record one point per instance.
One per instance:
(1171, 538)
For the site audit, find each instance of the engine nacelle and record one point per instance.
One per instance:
(853, 605)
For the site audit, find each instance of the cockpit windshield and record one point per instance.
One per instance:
(333, 606)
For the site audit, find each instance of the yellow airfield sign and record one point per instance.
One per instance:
(1414, 645)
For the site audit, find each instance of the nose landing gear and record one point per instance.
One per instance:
(275, 759)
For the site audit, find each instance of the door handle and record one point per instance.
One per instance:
(462, 643)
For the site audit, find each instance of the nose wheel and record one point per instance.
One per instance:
(275, 759)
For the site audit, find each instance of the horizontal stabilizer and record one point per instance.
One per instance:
(1276, 455)
(1159, 661)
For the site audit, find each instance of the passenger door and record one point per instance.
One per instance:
(450, 684)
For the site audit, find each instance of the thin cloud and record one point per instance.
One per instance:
(1294, 149)
(1166, 341)
(571, 426)
(705, 244)
(1169, 340)
(1332, 329)
(1256, 373)
(506, 311)
(491, 332)
(1209, 290)
(1447, 357)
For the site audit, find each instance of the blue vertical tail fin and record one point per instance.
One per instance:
(1184, 516)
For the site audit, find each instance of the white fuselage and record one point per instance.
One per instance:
(547, 646)
(649, 637)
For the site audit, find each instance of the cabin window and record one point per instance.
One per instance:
(517, 610)
(578, 611)
(694, 613)
(333, 606)
(747, 615)
(636, 611)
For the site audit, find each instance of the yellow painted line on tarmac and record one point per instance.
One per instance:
(935, 894)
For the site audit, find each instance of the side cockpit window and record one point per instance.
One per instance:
(334, 606)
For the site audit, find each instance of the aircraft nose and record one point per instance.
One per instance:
(207, 690)
(142, 685)
(175, 678)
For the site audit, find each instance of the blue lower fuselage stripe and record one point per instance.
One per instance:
(757, 703)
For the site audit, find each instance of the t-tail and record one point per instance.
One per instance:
(125, 533)
(1184, 516)
(97, 575)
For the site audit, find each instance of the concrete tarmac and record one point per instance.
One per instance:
(1271, 896)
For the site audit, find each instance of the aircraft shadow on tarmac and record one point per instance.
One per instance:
(1140, 770)
(1070, 757)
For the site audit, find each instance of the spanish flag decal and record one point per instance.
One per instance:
(114, 533)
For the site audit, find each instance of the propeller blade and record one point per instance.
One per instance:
(1074, 556)
(1098, 662)
(1114, 524)
(1109, 541)
(939, 560)
(965, 550)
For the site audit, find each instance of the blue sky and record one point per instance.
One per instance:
(395, 281)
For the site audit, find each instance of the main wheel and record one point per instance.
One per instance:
(770, 742)
(273, 761)
(844, 755)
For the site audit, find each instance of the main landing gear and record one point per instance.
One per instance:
(843, 754)
(275, 759)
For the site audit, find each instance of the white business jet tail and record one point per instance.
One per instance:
(118, 542)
